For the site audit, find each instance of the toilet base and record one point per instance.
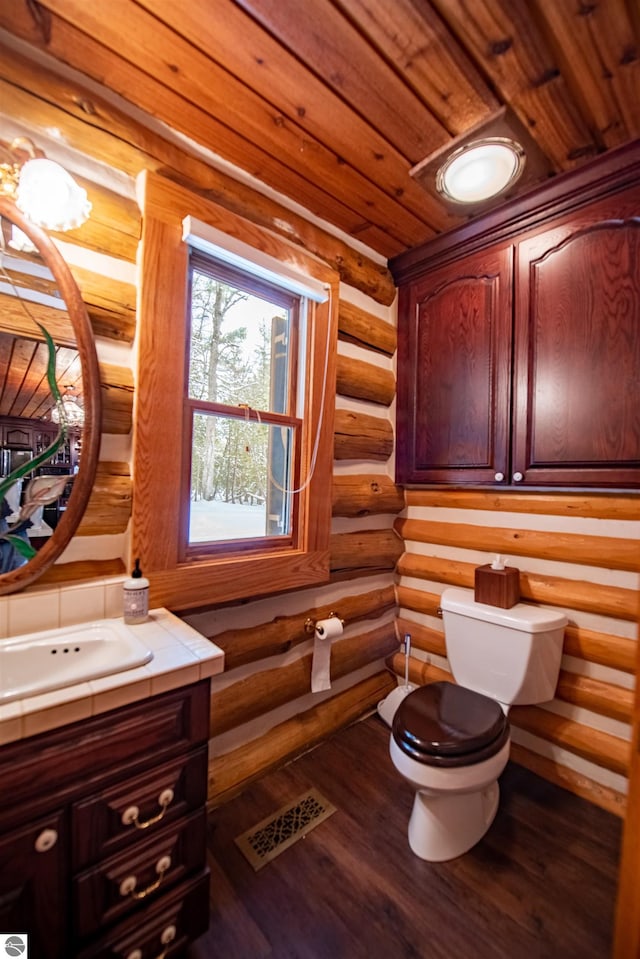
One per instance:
(445, 826)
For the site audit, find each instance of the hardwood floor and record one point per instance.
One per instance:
(540, 885)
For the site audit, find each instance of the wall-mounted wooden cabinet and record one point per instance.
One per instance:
(33, 435)
(454, 372)
(577, 348)
(519, 350)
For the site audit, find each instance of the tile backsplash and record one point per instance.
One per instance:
(50, 607)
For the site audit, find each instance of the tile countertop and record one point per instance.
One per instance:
(181, 655)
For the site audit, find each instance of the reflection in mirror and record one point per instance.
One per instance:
(49, 402)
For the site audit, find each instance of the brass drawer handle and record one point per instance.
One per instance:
(167, 937)
(128, 885)
(131, 813)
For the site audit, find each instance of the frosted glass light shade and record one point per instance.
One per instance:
(50, 197)
(480, 170)
(73, 412)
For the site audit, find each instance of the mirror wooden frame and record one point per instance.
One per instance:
(83, 483)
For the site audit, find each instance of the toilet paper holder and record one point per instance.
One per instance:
(310, 624)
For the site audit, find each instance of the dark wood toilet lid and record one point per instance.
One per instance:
(448, 725)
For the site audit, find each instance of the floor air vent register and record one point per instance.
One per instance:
(268, 838)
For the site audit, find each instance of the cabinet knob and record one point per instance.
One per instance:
(131, 813)
(168, 935)
(128, 885)
(166, 938)
(518, 477)
(46, 840)
(499, 477)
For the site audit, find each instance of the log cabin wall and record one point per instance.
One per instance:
(262, 709)
(576, 552)
(102, 258)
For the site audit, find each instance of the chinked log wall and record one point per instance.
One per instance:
(261, 683)
(366, 549)
(113, 231)
(41, 101)
(575, 724)
(368, 610)
(260, 677)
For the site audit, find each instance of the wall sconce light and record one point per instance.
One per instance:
(480, 170)
(41, 188)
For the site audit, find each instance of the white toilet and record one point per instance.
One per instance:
(451, 742)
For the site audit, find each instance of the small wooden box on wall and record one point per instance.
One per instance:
(497, 585)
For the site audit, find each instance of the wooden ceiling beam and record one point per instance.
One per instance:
(263, 64)
(413, 38)
(93, 127)
(598, 52)
(92, 136)
(349, 66)
(134, 37)
(507, 44)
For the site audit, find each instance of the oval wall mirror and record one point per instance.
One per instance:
(49, 432)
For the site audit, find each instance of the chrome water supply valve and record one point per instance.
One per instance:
(407, 654)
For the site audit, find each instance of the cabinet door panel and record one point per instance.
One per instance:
(577, 374)
(33, 886)
(453, 372)
(18, 437)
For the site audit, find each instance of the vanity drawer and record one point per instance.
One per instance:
(138, 808)
(178, 918)
(116, 887)
(77, 758)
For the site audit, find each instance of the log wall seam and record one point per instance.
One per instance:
(574, 547)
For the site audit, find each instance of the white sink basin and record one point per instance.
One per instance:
(40, 662)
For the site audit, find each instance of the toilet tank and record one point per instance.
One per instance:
(512, 655)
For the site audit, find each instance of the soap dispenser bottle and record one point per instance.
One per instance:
(136, 597)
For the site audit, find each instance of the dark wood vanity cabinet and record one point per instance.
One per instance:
(102, 832)
(33, 877)
(519, 360)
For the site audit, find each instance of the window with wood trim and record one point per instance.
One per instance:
(242, 435)
(233, 454)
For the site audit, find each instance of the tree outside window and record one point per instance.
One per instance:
(241, 407)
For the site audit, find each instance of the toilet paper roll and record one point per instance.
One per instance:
(325, 631)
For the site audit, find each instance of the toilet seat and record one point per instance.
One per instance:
(442, 724)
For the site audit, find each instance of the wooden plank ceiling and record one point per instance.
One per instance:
(330, 102)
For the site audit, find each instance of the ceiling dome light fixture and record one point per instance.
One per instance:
(480, 170)
(73, 412)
